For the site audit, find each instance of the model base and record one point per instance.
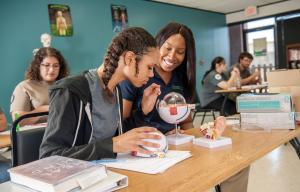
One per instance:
(210, 143)
(179, 139)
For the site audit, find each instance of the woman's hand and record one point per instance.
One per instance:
(133, 139)
(149, 98)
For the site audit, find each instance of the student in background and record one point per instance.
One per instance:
(31, 95)
(245, 60)
(4, 163)
(174, 72)
(215, 79)
(3, 121)
(86, 110)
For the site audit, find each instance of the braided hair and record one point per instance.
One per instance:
(134, 39)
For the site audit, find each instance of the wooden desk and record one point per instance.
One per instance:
(232, 90)
(4, 141)
(208, 167)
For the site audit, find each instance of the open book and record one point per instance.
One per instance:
(58, 174)
(152, 165)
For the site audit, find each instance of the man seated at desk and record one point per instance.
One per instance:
(245, 60)
(213, 80)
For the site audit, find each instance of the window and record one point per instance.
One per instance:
(259, 41)
(259, 23)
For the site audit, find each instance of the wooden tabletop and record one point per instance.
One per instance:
(232, 90)
(4, 141)
(208, 167)
(246, 88)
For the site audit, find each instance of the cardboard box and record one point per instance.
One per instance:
(280, 78)
(268, 120)
(260, 103)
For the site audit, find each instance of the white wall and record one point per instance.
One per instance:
(264, 11)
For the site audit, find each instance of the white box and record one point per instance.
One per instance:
(179, 139)
(264, 103)
(268, 120)
(211, 143)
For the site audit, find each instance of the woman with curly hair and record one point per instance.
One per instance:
(31, 95)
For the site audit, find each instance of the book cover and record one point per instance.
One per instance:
(112, 182)
(57, 173)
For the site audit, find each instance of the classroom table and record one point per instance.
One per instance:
(207, 167)
(4, 141)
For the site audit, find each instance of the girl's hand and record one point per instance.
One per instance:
(133, 139)
(149, 98)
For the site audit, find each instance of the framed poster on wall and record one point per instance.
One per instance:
(119, 17)
(60, 20)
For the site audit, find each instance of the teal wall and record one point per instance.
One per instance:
(22, 23)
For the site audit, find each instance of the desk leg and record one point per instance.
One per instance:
(296, 144)
(222, 112)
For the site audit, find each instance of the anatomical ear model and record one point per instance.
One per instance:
(214, 130)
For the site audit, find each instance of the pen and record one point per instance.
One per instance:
(108, 161)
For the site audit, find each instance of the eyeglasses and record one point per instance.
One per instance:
(53, 66)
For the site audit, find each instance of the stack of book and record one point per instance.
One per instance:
(60, 174)
(266, 111)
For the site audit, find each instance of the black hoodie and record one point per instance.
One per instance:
(69, 130)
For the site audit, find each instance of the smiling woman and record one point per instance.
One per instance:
(31, 95)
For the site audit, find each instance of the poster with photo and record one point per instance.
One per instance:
(260, 46)
(119, 17)
(60, 20)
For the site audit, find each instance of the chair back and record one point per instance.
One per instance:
(202, 111)
(26, 143)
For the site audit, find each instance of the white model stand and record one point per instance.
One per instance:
(178, 139)
(210, 143)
